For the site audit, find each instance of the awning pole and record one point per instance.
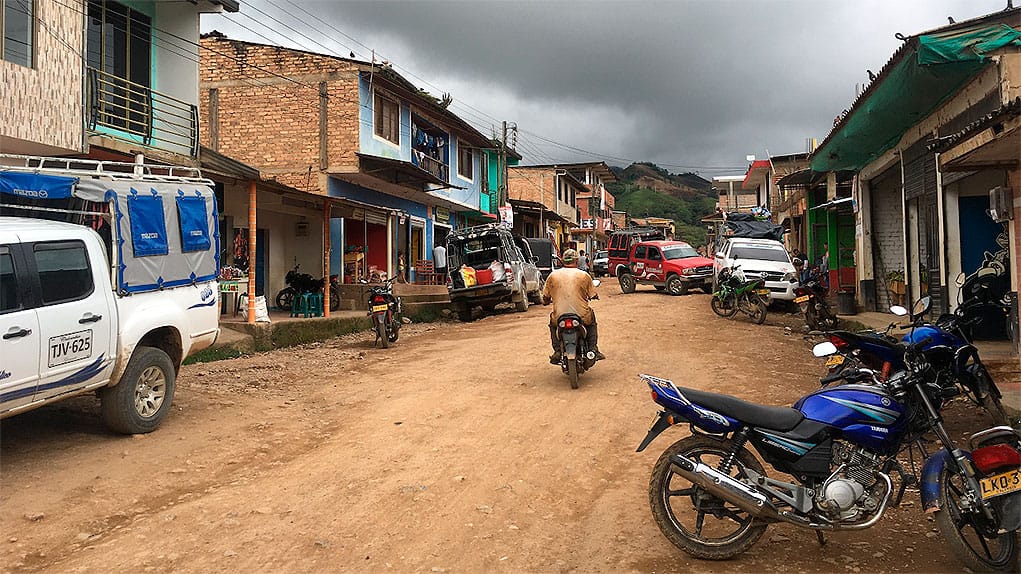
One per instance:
(326, 258)
(251, 252)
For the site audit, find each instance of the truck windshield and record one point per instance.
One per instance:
(760, 253)
(679, 252)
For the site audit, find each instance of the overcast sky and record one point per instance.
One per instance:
(689, 85)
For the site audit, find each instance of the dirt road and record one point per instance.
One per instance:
(459, 449)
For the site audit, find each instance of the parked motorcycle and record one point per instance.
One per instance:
(576, 358)
(711, 497)
(811, 296)
(955, 362)
(298, 283)
(735, 293)
(387, 312)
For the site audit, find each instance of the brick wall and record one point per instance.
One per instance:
(888, 236)
(532, 185)
(43, 104)
(268, 109)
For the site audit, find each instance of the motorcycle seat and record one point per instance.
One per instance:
(773, 418)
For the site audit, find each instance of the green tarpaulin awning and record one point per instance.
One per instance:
(935, 68)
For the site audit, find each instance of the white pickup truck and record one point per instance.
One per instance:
(116, 311)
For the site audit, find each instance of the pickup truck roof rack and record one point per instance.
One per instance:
(479, 228)
(99, 169)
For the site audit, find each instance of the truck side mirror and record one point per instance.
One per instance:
(719, 255)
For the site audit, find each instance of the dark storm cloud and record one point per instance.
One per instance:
(697, 84)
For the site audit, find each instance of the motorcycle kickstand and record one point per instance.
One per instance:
(822, 539)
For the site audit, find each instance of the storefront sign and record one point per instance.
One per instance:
(442, 215)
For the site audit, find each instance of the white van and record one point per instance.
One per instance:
(111, 302)
(763, 258)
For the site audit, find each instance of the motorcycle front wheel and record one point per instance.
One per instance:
(698, 523)
(972, 539)
(724, 306)
(285, 298)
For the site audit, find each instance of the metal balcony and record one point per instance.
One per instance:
(130, 112)
(431, 165)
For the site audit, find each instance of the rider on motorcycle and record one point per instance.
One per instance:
(570, 290)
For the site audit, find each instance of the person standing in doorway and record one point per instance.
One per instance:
(824, 266)
(582, 261)
(440, 260)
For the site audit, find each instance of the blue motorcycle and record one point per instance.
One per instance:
(955, 362)
(712, 498)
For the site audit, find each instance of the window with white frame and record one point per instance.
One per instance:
(465, 160)
(388, 118)
(17, 21)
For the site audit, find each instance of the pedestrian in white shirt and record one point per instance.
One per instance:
(440, 259)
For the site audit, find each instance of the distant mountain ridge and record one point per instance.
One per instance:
(644, 189)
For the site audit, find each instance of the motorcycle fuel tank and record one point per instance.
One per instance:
(864, 415)
(935, 335)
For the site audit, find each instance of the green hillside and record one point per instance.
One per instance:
(646, 190)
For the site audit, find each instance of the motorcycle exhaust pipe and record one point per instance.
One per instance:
(722, 486)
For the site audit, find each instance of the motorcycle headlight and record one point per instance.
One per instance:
(790, 277)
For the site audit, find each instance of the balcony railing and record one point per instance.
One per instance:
(430, 164)
(131, 112)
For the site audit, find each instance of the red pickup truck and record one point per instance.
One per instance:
(671, 265)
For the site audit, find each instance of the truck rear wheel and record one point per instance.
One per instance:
(139, 402)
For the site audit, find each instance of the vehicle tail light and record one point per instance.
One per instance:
(510, 272)
(378, 299)
(989, 458)
(568, 324)
(838, 342)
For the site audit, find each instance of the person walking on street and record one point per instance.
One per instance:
(582, 261)
(570, 290)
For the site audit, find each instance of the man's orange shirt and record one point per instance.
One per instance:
(570, 290)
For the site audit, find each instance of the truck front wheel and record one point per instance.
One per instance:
(142, 398)
(676, 286)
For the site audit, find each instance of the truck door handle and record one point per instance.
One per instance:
(90, 319)
(16, 334)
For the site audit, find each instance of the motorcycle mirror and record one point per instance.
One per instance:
(824, 349)
(898, 311)
(960, 279)
(921, 306)
(719, 254)
(596, 282)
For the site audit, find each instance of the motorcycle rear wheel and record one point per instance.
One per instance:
(963, 531)
(572, 373)
(756, 309)
(381, 334)
(723, 306)
(729, 530)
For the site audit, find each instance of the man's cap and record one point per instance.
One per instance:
(569, 256)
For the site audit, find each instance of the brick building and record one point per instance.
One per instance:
(393, 168)
(545, 201)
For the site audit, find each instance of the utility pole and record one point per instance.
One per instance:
(502, 184)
